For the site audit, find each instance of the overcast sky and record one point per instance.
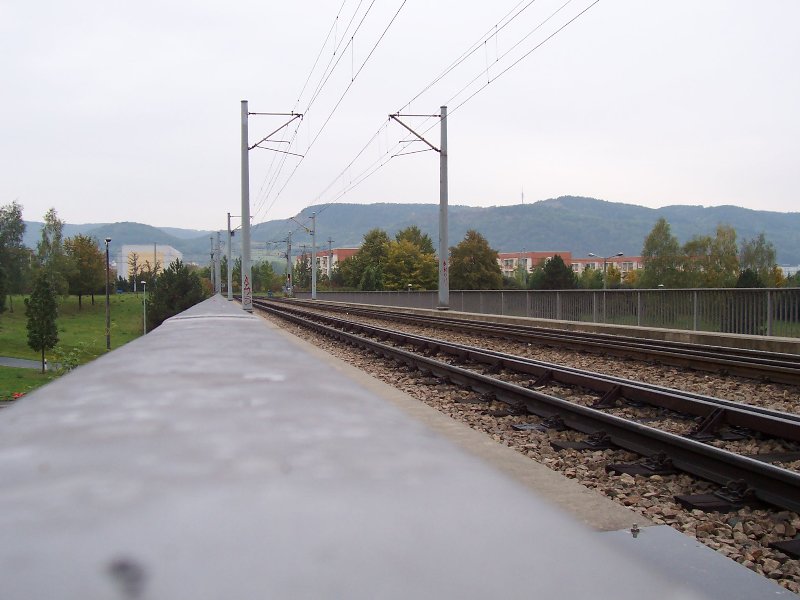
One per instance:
(130, 111)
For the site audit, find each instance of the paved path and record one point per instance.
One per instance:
(21, 363)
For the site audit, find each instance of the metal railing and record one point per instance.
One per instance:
(772, 312)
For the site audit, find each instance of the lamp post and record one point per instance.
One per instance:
(108, 303)
(605, 262)
(144, 307)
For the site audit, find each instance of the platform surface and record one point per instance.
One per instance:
(213, 458)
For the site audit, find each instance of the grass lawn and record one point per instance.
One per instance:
(82, 332)
(20, 381)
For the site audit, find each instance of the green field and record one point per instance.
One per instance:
(20, 381)
(81, 334)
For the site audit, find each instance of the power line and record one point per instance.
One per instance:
(375, 166)
(341, 98)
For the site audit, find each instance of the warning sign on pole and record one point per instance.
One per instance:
(247, 295)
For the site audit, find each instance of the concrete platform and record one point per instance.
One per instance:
(214, 458)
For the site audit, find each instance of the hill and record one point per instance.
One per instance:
(575, 224)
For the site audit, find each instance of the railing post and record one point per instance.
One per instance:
(558, 306)
(769, 312)
(694, 310)
(638, 309)
(594, 307)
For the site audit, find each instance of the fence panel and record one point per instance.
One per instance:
(746, 311)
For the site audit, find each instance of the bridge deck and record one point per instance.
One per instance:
(214, 458)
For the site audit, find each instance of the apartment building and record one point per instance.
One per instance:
(510, 261)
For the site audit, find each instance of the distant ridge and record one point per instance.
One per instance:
(571, 223)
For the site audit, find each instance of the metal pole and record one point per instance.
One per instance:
(444, 282)
(230, 265)
(218, 266)
(211, 269)
(247, 291)
(144, 308)
(289, 264)
(330, 260)
(108, 303)
(313, 256)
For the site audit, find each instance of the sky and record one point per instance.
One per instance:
(130, 111)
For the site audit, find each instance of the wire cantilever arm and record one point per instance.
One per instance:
(414, 132)
(265, 138)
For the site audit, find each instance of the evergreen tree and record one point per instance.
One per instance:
(473, 264)
(176, 289)
(556, 275)
(42, 311)
(749, 279)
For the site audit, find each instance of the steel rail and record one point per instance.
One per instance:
(771, 422)
(774, 366)
(769, 483)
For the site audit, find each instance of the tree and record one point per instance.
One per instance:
(89, 266)
(408, 265)
(591, 279)
(42, 311)
(12, 251)
(758, 255)
(556, 275)
(52, 257)
(661, 256)
(473, 264)
(414, 235)
(366, 268)
(302, 272)
(3, 288)
(176, 289)
(263, 276)
(749, 279)
(711, 262)
(134, 268)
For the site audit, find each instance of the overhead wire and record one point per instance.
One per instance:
(375, 166)
(320, 85)
(354, 77)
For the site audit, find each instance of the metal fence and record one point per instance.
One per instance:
(774, 311)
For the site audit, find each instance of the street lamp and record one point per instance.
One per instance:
(144, 307)
(108, 303)
(605, 262)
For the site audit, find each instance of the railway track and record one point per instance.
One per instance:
(768, 366)
(772, 484)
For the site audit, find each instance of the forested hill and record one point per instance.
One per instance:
(578, 225)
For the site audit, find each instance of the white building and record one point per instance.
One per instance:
(145, 256)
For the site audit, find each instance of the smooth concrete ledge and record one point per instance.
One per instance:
(587, 506)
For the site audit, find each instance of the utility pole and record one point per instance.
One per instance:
(211, 267)
(444, 279)
(313, 256)
(289, 264)
(218, 266)
(230, 266)
(330, 260)
(247, 290)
